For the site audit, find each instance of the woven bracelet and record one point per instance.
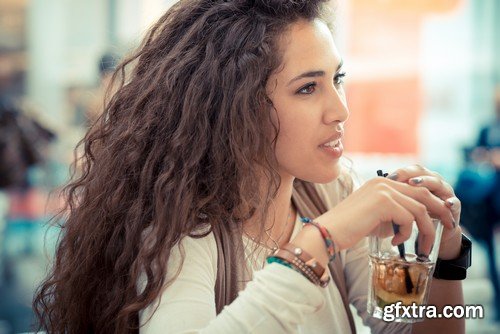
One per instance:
(274, 259)
(330, 245)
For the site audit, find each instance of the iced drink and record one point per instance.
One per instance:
(397, 274)
(390, 277)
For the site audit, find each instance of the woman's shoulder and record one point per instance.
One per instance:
(196, 250)
(201, 239)
(194, 255)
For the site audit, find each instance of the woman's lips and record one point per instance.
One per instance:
(334, 149)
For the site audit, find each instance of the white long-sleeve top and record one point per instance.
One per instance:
(277, 300)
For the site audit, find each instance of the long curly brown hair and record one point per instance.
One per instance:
(185, 139)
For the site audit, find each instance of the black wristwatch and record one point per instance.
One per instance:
(455, 269)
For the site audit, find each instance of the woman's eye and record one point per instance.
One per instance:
(308, 89)
(339, 78)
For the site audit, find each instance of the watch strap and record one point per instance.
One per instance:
(455, 269)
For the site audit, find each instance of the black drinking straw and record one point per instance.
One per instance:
(401, 248)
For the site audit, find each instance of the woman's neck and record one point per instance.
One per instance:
(280, 219)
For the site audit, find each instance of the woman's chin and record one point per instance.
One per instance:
(322, 176)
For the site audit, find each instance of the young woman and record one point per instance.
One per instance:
(188, 181)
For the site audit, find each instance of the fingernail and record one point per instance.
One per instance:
(450, 201)
(417, 180)
(393, 176)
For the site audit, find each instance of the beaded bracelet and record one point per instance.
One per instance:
(301, 262)
(311, 262)
(330, 245)
(296, 262)
(306, 258)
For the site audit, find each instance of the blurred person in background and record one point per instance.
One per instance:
(488, 150)
(203, 153)
(478, 187)
(23, 145)
(23, 138)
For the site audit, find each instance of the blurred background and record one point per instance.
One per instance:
(422, 85)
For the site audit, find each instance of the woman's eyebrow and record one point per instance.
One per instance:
(313, 74)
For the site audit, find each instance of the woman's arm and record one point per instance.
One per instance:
(444, 292)
(275, 301)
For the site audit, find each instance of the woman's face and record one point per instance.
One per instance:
(310, 104)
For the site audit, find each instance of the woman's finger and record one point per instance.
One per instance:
(454, 204)
(433, 204)
(406, 173)
(397, 214)
(442, 190)
(423, 220)
(435, 184)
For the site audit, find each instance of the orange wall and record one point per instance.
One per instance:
(384, 94)
(385, 119)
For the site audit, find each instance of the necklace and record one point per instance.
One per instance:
(276, 242)
(268, 234)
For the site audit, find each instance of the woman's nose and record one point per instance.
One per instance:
(335, 109)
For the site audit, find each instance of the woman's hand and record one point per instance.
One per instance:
(383, 200)
(421, 177)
